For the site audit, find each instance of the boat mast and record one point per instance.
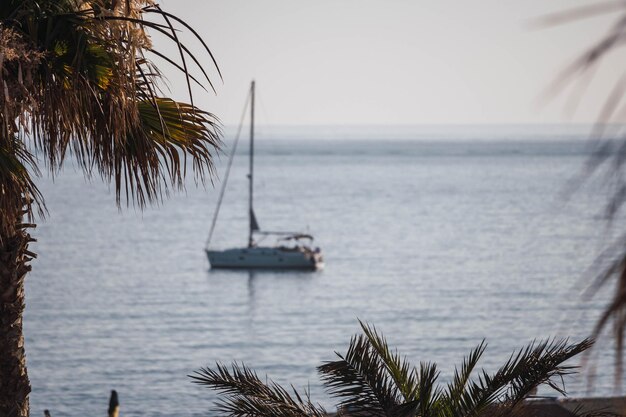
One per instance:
(252, 221)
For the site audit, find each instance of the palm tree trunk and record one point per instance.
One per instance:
(14, 259)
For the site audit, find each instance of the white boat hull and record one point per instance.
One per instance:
(265, 258)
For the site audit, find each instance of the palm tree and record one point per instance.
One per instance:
(75, 77)
(372, 380)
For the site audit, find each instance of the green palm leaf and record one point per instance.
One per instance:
(16, 165)
(534, 365)
(455, 389)
(428, 393)
(96, 94)
(360, 380)
(543, 363)
(179, 127)
(373, 381)
(248, 396)
(400, 370)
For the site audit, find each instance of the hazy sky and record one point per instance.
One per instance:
(321, 62)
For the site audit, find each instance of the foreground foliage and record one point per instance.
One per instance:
(76, 78)
(372, 380)
(607, 163)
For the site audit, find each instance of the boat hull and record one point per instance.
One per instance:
(265, 258)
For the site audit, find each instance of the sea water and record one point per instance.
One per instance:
(438, 238)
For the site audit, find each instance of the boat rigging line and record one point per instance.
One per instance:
(227, 173)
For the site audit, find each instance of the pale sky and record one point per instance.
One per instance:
(394, 62)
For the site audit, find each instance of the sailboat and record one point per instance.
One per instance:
(292, 249)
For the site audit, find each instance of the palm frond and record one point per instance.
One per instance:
(616, 310)
(16, 184)
(177, 66)
(169, 31)
(457, 386)
(363, 381)
(182, 57)
(159, 10)
(180, 131)
(608, 157)
(538, 363)
(462, 375)
(94, 93)
(428, 394)
(417, 387)
(400, 370)
(578, 13)
(360, 380)
(247, 396)
(543, 363)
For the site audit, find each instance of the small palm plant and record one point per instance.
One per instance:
(372, 380)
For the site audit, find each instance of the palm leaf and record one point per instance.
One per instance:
(16, 183)
(400, 370)
(98, 96)
(367, 382)
(428, 394)
(181, 128)
(457, 386)
(157, 9)
(532, 366)
(247, 396)
(360, 380)
(416, 387)
(543, 363)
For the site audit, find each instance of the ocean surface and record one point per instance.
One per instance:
(438, 238)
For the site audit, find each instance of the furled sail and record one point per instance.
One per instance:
(254, 225)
